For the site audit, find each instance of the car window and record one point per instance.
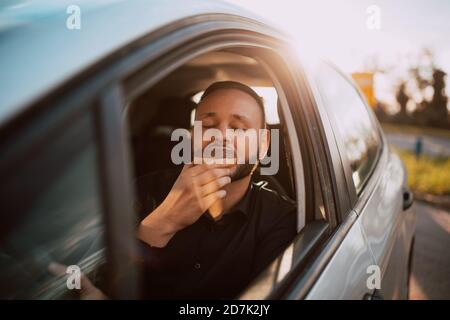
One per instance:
(361, 141)
(151, 136)
(51, 214)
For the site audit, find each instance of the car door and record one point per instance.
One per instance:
(375, 177)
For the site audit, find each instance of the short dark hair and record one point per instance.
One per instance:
(219, 85)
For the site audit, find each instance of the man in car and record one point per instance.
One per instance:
(188, 254)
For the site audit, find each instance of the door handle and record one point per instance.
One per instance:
(408, 199)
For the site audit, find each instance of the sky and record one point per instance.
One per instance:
(338, 27)
(338, 31)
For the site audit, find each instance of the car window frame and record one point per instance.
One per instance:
(155, 69)
(344, 190)
(230, 31)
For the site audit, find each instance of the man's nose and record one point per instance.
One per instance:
(226, 134)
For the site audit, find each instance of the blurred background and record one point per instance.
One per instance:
(398, 52)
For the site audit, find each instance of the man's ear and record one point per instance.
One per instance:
(264, 142)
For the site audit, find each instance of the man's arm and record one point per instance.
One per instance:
(196, 189)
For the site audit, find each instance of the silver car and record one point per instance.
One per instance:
(89, 94)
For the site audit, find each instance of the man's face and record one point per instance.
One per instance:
(232, 109)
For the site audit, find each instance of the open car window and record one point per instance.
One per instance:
(170, 104)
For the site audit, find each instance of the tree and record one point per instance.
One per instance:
(428, 77)
(402, 99)
(437, 107)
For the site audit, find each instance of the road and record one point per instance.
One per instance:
(431, 145)
(430, 278)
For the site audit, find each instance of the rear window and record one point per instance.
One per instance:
(355, 128)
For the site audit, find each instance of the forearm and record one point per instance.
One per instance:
(156, 229)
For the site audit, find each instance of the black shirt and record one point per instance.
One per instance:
(214, 260)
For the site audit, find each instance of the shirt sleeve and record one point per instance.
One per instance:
(144, 200)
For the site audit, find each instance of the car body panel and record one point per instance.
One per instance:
(388, 228)
(345, 275)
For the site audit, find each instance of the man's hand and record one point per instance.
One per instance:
(197, 188)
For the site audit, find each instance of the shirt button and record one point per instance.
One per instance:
(197, 265)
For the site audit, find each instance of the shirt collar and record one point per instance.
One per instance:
(244, 204)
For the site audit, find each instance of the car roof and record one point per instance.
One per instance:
(38, 52)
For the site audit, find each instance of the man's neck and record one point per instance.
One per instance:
(235, 192)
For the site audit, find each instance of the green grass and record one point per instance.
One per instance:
(427, 174)
(407, 129)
